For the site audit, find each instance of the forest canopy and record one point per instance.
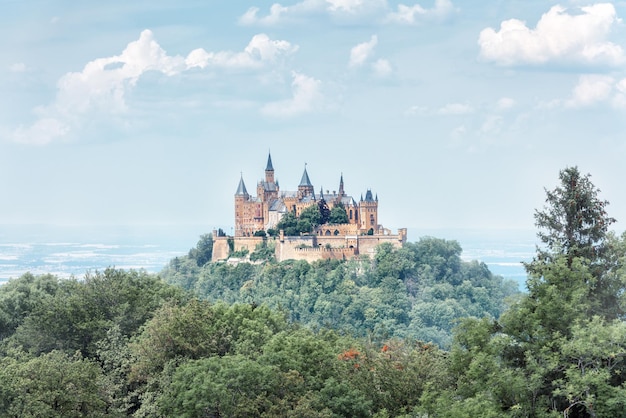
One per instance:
(413, 332)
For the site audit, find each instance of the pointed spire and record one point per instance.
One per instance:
(321, 193)
(269, 166)
(341, 191)
(368, 196)
(376, 197)
(241, 189)
(305, 181)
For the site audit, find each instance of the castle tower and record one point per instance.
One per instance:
(305, 188)
(368, 213)
(267, 189)
(269, 170)
(241, 209)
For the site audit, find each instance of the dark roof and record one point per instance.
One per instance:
(305, 181)
(269, 167)
(368, 196)
(269, 187)
(241, 190)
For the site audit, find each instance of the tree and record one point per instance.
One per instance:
(574, 225)
(52, 385)
(310, 217)
(324, 211)
(574, 221)
(338, 215)
(203, 251)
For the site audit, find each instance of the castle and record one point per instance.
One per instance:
(257, 216)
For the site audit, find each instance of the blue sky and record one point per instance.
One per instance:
(457, 113)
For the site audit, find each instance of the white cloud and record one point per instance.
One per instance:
(382, 68)
(416, 13)
(18, 67)
(104, 82)
(306, 97)
(279, 13)
(591, 89)
(363, 9)
(260, 51)
(619, 101)
(355, 6)
(43, 131)
(505, 103)
(251, 16)
(361, 52)
(558, 36)
(455, 109)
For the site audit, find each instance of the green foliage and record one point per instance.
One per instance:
(52, 385)
(203, 251)
(19, 297)
(324, 211)
(80, 312)
(418, 291)
(338, 215)
(264, 252)
(558, 350)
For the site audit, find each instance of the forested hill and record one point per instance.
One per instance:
(125, 343)
(418, 292)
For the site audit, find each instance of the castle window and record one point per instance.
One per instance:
(328, 232)
(350, 214)
(336, 232)
(372, 219)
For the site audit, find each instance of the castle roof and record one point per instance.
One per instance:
(241, 189)
(305, 181)
(270, 187)
(368, 196)
(269, 166)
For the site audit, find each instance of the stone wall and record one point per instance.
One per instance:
(312, 247)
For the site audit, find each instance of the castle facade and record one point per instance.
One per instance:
(256, 216)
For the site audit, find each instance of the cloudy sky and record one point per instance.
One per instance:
(457, 113)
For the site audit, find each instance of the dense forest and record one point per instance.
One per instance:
(417, 292)
(413, 332)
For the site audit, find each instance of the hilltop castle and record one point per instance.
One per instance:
(255, 216)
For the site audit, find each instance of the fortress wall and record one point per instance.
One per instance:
(312, 247)
(220, 248)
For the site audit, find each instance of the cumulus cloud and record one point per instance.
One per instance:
(279, 13)
(580, 36)
(592, 89)
(306, 97)
(416, 13)
(103, 83)
(41, 132)
(367, 9)
(260, 51)
(382, 68)
(361, 52)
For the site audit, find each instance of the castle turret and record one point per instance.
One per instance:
(269, 170)
(241, 209)
(368, 213)
(305, 188)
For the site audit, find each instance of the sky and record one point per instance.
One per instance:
(456, 113)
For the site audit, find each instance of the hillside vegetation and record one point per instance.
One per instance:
(417, 292)
(333, 339)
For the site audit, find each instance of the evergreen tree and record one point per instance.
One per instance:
(574, 221)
